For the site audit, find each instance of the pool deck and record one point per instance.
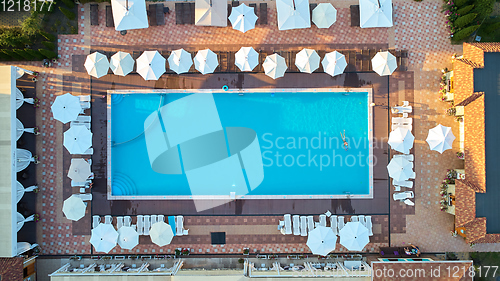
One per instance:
(419, 28)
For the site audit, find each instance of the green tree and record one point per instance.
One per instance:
(483, 7)
(465, 10)
(31, 25)
(464, 33)
(13, 37)
(462, 21)
(460, 3)
(69, 14)
(48, 36)
(48, 53)
(49, 45)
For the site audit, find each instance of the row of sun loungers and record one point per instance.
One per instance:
(144, 223)
(303, 224)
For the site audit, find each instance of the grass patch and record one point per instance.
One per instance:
(482, 260)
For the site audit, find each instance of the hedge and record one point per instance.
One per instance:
(35, 53)
(69, 3)
(483, 7)
(24, 54)
(48, 53)
(13, 55)
(49, 45)
(464, 10)
(464, 33)
(464, 20)
(460, 3)
(491, 28)
(69, 14)
(48, 36)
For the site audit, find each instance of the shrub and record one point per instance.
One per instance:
(464, 20)
(491, 28)
(22, 53)
(464, 33)
(31, 25)
(483, 7)
(73, 30)
(35, 53)
(69, 14)
(48, 36)
(465, 10)
(13, 37)
(13, 55)
(460, 3)
(69, 3)
(4, 55)
(48, 53)
(49, 45)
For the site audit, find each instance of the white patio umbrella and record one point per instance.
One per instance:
(66, 108)
(400, 169)
(97, 65)
(161, 234)
(20, 129)
(20, 190)
(104, 238)
(79, 170)
(74, 208)
(384, 63)
(375, 13)
(129, 14)
(77, 139)
(121, 63)
(324, 15)
(210, 12)
(151, 65)
(180, 61)
(334, 63)
(128, 238)
(21, 220)
(401, 140)
(205, 61)
(321, 240)
(246, 59)
(243, 18)
(354, 236)
(293, 14)
(307, 60)
(23, 159)
(20, 99)
(274, 66)
(440, 138)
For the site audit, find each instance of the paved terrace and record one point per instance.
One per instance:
(419, 27)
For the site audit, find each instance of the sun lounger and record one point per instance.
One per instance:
(160, 218)
(341, 223)
(408, 184)
(395, 126)
(84, 197)
(409, 202)
(140, 224)
(152, 14)
(95, 221)
(147, 224)
(80, 183)
(262, 13)
(310, 223)
(108, 219)
(94, 14)
(160, 15)
(406, 103)
(401, 109)
(354, 218)
(171, 222)
(296, 225)
(322, 220)
(303, 226)
(408, 157)
(402, 195)
(288, 224)
(76, 123)
(402, 121)
(333, 224)
(179, 223)
(361, 219)
(368, 223)
(109, 17)
(127, 221)
(354, 15)
(119, 222)
(89, 151)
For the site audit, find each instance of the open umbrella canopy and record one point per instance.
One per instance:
(324, 15)
(128, 238)
(104, 238)
(243, 18)
(307, 60)
(121, 63)
(161, 234)
(401, 140)
(375, 13)
(79, 170)
(66, 108)
(246, 59)
(97, 65)
(354, 236)
(151, 65)
(210, 12)
(180, 61)
(274, 66)
(400, 169)
(77, 139)
(384, 63)
(293, 14)
(321, 240)
(129, 14)
(334, 63)
(205, 61)
(440, 138)
(74, 208)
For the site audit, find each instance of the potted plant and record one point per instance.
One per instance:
(185, 252)
(246, 251)
(36, 217)
(177, 252)
(240, 260)
(460, 155)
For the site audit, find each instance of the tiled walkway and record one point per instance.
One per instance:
(419, 27)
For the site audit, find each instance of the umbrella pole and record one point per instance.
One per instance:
(377, 1)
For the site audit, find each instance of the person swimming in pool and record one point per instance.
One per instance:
(346, 144)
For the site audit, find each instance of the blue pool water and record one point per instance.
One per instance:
(298, 133)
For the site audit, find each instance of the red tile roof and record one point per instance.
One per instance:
(11, 269)
(475, 154)
(465, 204)
(475, 230)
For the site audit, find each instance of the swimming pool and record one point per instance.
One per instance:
(298, 133)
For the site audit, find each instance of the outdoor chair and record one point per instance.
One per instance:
(109, 17)
(303, 226)
(262, 13)
(296, 225)
(95, 221)
(94, 14)
(333, 224)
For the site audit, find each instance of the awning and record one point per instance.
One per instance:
(129, 14)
